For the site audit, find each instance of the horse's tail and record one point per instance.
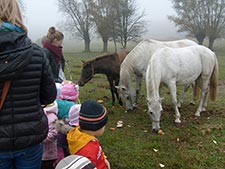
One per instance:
(214, 81)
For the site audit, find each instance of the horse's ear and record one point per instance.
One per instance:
(117, 87)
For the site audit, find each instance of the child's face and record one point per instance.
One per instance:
(100, 132)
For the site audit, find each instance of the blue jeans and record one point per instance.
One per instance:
(29, 158)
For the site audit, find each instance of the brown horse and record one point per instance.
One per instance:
(107, 64)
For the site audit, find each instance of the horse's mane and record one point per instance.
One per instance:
(116, 56)
(180, 43)
(96, 58)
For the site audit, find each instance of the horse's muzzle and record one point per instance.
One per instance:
(81, 83)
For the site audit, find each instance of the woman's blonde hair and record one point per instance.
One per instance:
(54, 34)
(10, 12)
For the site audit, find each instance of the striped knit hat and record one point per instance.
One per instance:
(75, 162)
(74, 115)
(93, 116)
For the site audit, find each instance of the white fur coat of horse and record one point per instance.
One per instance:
(180, 66)
(136, 63)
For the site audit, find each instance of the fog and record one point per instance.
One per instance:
(42, 14)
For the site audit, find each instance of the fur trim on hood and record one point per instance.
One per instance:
(62, 127)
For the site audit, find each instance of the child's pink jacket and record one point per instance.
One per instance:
(50, 143)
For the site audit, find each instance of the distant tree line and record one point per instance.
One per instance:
(200, 18)
(116, 20)
(120, 21)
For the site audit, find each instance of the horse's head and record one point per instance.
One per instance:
(126, 95)
(155, 110)
(87, 73)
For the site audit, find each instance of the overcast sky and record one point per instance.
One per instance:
(42, 14)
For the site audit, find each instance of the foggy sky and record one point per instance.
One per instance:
(42, 14)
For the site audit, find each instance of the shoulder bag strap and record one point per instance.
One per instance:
(4, 92)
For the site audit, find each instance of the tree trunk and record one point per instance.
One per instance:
(87, 42)
(115, 46)
(200, 39)
(105, 44)
(211, 42)
(87, 45)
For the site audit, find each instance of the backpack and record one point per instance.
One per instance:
(69, 91)
(75, 162)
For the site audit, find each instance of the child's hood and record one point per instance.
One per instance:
(77, 139)
(52, 108)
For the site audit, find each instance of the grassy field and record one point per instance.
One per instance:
(199, 143)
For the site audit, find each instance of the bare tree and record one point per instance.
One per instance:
(118, 20)
(200, 18)
(190, 18)
(103, 18)
(215, 10)
(130, 23)
(78, 21)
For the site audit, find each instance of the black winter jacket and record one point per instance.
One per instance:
(54, 65)
(22, 120)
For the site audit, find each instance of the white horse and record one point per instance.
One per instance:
(180, 66)
(136, 63)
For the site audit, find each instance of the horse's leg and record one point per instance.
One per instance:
(116, 92)
(186, 87)
(112, 89)
(173, 91)
(204, 92)
(194, 97)
(205, 101)
(195, 92)
(138, 88)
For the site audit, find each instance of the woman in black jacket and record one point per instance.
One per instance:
(52, 44)
(23, 125)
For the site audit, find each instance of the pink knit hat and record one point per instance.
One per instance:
(69, 91)
(74, 115)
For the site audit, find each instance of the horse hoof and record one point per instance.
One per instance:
(197, 114)
(177, 120)
(155, 131)
(178, 124)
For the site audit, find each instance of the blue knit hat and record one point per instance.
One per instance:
(93, 116)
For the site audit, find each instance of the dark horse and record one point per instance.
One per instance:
(107, 64)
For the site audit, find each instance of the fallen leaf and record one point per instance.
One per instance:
(161, 165)
(100, 101)
(119, 125)
(120, 122)
(112, 128)
(161, 132)
(215, 142)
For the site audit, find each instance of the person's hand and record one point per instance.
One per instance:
(107, 164)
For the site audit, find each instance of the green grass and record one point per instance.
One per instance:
(199, 143)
